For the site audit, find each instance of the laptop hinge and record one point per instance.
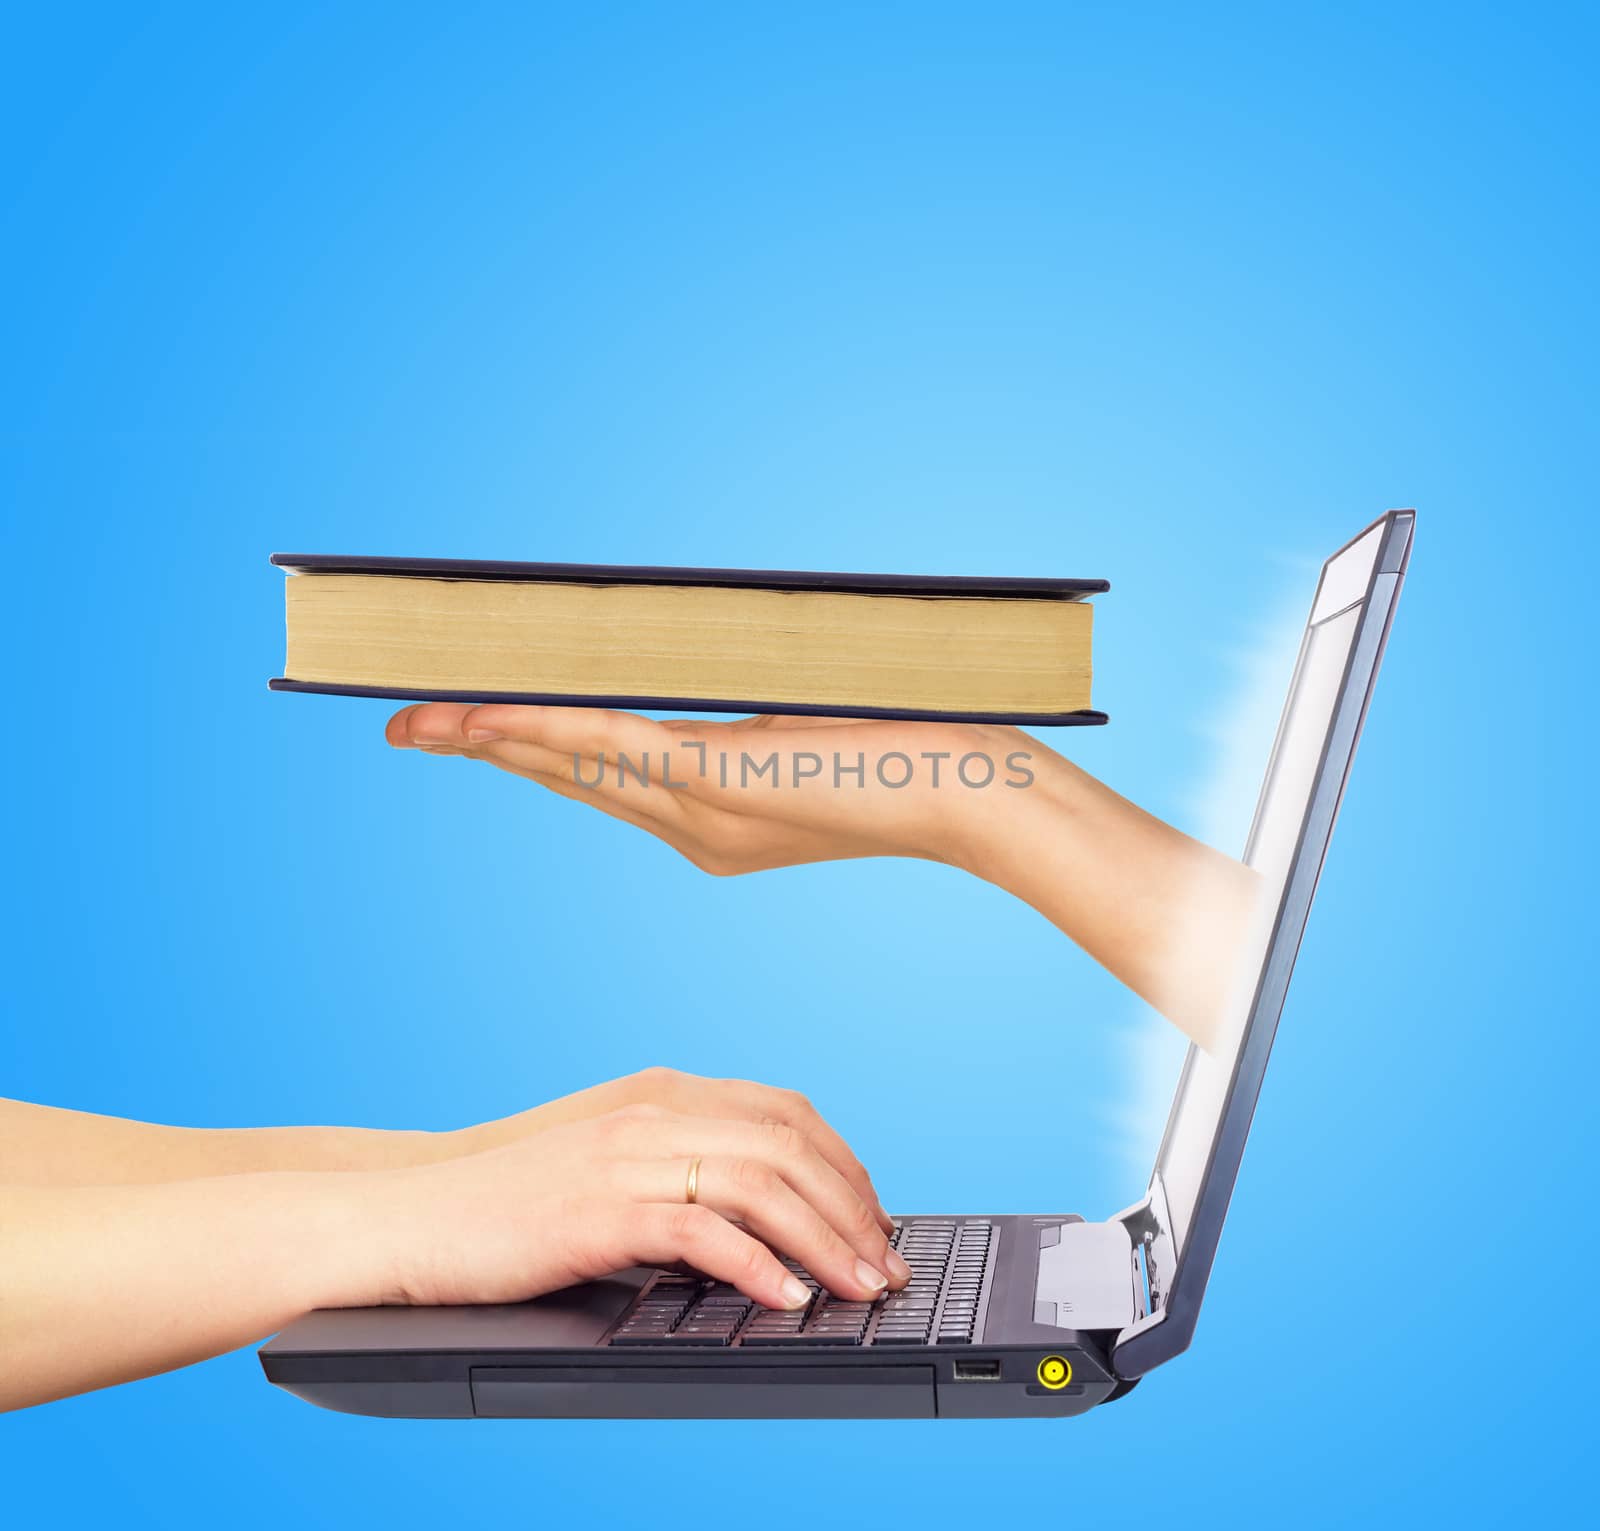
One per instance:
(1149, 1226)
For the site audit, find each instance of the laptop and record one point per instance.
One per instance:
(1006, 1316)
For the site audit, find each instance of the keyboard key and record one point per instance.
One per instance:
(949, 1262)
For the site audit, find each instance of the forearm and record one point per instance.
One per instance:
(45, 1146)
(1165, 914)
(101, 1284)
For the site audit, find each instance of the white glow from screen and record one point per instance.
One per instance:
(1236, 739)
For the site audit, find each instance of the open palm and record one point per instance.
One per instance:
(747, 795)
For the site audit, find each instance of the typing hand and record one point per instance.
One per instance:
(587, 1198)
(785, 1113)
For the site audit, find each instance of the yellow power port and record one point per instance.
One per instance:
(1055, 1372)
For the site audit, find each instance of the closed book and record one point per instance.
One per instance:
(691, 640)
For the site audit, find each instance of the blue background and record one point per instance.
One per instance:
(1180, 296)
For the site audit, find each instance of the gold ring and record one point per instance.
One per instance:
(692, 1189)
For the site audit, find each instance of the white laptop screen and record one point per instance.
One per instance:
(1298, 770)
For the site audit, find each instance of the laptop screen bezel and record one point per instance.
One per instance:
(1169, 1327)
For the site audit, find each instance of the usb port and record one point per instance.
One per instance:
(977, 1371)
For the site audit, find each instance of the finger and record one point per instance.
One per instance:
(710, 727)
(761, 1197)
(442, 728)
(692, 828)
(663, 1234)
(618, 756)
(787, 1153)
(566, 730)
(794, 1110)
(778, 722)
(428, 723)
(549, 771)
(397, 731)
(526, 759)
(760, 722)
(648, 786)
(657, 813)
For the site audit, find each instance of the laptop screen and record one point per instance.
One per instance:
(1304, 779)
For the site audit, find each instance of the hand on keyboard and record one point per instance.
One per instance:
(585, 1199)
(739, 1100)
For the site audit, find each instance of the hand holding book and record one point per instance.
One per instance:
(1162, 912)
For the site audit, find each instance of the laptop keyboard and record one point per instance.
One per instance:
(942, 1305)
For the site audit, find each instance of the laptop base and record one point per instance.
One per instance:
(549, 1359)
